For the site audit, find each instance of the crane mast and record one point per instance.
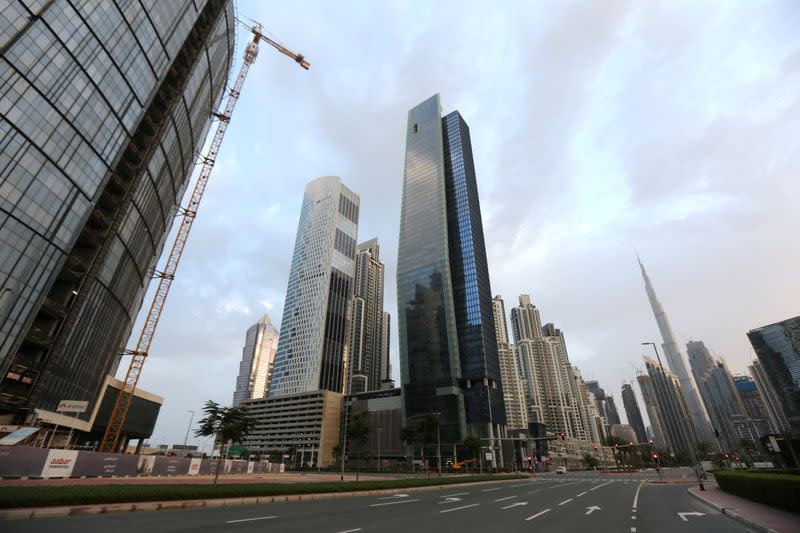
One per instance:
(189, 213)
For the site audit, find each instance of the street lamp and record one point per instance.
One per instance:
(695, 460)
(379, 448)
(186, 438)
(438, 443)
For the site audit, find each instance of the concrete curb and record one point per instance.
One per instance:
(79, 510)
(733, 514)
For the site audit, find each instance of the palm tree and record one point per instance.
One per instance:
(224, 424)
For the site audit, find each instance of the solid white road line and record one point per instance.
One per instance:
(581, 494)
(506, 498)
(459, 508)
(454, 495)
(392, 503)
(565, 501)
(538, 514)
(250, 519)
(636, 498)
(603, 485)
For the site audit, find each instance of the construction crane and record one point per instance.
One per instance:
(165, 278)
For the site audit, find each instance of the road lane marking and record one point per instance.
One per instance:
(565, 501)
(636, 498)
(538, 514)
(490, 490)
(603, 485)
(250, 519)
(456, 494)
(633, 530)
(351, 530)
(581, 494)
(522, 484)
(392, 503)
(394, 497)
(535, 491)
(593, 508)
(459, 508)
(506, 498)
(450, 500)
(517, 504)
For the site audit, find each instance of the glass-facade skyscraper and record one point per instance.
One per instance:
(315, 330)
(448, 348)
(778, 349)
(103, 108)
(258, 358)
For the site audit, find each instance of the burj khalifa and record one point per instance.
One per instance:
(677, 365)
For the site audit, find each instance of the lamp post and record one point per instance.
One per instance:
(438, 443)
(379, 448)
(186, 438)
(692, 450)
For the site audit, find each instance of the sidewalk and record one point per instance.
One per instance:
(756, 515)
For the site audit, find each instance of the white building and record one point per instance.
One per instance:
(258, 356)
(315, 330)
(513, 395)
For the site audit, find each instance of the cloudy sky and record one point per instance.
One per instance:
(598, 128)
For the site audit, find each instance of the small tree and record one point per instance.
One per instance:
(473, 446)
(224, 424)
(590, 460)
(358, 432)
(703, 450)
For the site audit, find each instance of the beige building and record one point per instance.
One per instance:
(513, 395)
(307, 423)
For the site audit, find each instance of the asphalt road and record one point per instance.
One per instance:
(576, 501)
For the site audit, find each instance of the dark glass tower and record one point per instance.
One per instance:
(778, 349)
(633, 412)
(103, 107)
(448, 349)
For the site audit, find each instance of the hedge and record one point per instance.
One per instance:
(777, 490)
(14, 497)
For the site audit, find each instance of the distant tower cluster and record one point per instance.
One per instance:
(258, 356)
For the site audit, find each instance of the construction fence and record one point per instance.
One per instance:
(26, 462)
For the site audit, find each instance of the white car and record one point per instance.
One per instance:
(561, 469)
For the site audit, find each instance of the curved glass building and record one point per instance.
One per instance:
(103, 109)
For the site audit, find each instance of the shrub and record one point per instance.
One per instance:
(777, 490)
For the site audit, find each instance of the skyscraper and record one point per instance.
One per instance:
(103, 111)
(366, 342)
(676, 364)
(315, 330)
(611, 411)
(587, 407)
(258, 356)
(513, 396)
(754, 405)
(778, 349)
(633, 413)
(386, 342)
(672, 409)
(448, 351)
(546, 373)
(773, 405)
(718, 392)
(660, 437)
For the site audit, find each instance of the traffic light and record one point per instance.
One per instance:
(563, 435)
(650, 441)
(616, 446)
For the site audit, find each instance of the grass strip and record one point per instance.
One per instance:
(46, 496)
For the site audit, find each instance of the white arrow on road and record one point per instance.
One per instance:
(393, 496)
(514, 505)
(694, 513)
(593, 508)
(451, 499)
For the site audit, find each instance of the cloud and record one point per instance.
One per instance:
(596, 127)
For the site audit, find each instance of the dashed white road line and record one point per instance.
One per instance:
(565, 501)
(456, 494)
(351, 530)
(540, 513)
(250, 519)
(490, 490)
(603, 485)
(459, 508)
(581, 494)
(392, 503)
(506, 498)
(535, 491)
(522, 484)
(636, 498)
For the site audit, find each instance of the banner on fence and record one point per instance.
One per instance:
(194, 467)
(59, 463)
(21, 461)
(93, 464)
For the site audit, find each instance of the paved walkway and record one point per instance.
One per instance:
(757, 514)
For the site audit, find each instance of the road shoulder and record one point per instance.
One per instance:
(753, 514)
